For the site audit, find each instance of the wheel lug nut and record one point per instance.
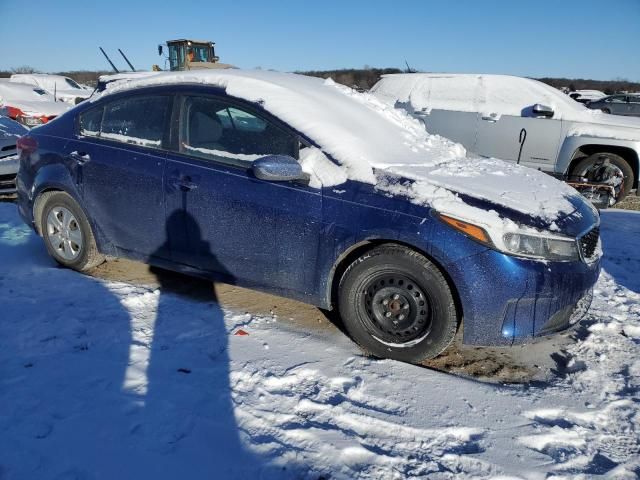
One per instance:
(405, 306)
(400, 317)
(396, 296)
(388, 314)
(385, 302)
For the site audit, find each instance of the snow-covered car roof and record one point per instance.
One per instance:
(47, 80)
(500, 94)
(370, 139)
(503, 94)
(30, 99)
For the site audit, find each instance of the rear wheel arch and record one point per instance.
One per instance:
(38, 205)
(355, 251)
(628, 154)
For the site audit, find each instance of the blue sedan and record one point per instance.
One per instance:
(303, 188)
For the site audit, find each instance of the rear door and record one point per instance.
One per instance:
(223, 219)
(634, 103)
(619, 105)
(120, 157)
(451, 108)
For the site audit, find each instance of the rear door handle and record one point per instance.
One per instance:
(80, 157)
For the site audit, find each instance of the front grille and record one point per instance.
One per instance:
(589, 243)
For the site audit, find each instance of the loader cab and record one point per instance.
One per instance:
(190, 54)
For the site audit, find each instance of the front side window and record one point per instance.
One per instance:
(618, 99)
(136, 120)
(212, 129)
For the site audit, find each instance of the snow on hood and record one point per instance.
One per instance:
(608, 126)
(373, 142)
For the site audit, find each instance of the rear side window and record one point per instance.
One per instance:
(90, 122)
(213, 129)
(137, 121)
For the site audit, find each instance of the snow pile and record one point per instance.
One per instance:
(371, 141)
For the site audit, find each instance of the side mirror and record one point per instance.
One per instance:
(278, 168)
(540, 110)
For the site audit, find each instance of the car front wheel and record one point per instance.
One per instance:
(66, 232)
(396, 304)
(609, 169)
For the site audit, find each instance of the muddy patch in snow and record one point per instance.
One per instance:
(520, 364)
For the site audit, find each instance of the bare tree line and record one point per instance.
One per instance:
(365, 78)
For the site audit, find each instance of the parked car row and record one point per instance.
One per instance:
(621, 104)
(523, 121)
(63, 88)
(300, 187)
(10, 131)
(28, 104)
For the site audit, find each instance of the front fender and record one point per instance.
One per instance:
(573, 143)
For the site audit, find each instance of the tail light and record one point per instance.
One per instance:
(24, 118)
(13, 112)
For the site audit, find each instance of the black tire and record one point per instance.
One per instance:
(616, 160)
(378, 276)
(88, 255)
(605, 110)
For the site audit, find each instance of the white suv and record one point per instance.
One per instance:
(522, 120)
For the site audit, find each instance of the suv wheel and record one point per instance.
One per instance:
(396, 304)
(607, 168)
(66, 232)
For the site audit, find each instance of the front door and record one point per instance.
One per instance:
(501, 136)
(221, 218)
(120, 162)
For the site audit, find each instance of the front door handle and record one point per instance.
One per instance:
(80, 157)
(184, 183)
(489, 118)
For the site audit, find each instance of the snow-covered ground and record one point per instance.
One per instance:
(108, 380)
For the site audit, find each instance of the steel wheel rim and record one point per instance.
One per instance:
(397, 311)
(64, 234)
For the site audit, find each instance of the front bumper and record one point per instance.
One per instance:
(509, 300)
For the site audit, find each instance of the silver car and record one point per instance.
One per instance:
(622, 104)
(9, 133)
(524, 121)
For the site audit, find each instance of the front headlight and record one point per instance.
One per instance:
(520, 241)
(545, 247)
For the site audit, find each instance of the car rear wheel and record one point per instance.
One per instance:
(396, 304)
(66, 232)
(607, 168)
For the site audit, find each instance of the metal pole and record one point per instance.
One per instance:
(109, 60)
(127, 60)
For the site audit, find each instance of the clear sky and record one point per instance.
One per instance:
(570, 38)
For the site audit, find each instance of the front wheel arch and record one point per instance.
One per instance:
(360, 248)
